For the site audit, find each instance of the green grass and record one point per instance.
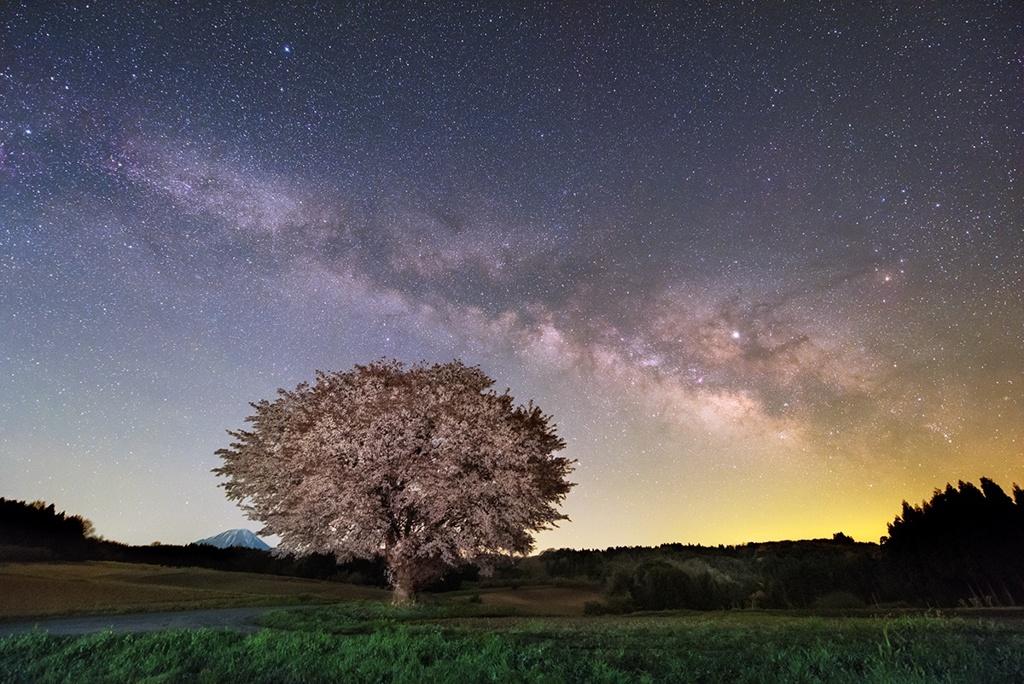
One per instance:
(361, 617)
(443, 643)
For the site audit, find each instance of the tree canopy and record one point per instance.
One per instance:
(423, 465)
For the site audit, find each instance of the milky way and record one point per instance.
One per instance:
(764, 265)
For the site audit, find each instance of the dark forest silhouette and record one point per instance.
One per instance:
(965, 544)
(963, 547)
(38, 525)
(37, 532)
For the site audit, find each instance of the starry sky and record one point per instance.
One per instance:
(762, 262)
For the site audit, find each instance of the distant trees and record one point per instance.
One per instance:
(423, 465)
(809, 573)
(835, 573)
(658, 585)
(37, 531)
(966, 544)
(37, 524)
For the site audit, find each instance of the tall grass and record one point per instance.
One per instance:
(395, 648)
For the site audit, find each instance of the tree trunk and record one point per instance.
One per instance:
(410, 575)
(403, 580)
(403, 594)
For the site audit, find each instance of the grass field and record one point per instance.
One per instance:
(531, 634)
(375, 642)
(61, 589)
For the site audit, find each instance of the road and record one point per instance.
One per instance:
(239, 619)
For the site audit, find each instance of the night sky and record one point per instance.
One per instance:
(762, 262)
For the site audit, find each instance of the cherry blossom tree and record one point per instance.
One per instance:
(423, 465)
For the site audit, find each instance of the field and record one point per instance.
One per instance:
(60, 589)
(536, 634)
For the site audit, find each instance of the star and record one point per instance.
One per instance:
(681, 260)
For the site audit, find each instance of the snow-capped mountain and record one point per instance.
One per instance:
(243, 538)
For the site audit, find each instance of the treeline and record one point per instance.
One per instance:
(836, 573)
(239, 559)
(964, 547)
(965, 544)
(37, 532)
(38, 525)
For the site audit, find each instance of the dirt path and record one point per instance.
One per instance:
(240, 619)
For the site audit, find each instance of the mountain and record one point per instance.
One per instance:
(243, 538)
